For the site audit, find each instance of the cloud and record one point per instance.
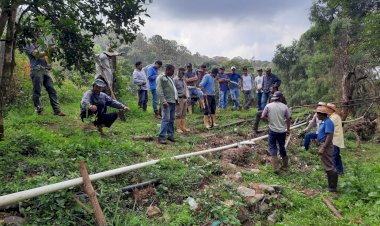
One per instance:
(229, 27)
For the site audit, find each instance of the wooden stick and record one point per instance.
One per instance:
(332, 208)
(92, 195)
(287, 140)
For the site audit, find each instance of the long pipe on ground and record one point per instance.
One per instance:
(22, 195)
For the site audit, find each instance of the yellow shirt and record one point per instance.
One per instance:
(338, 139)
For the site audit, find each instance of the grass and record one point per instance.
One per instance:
(40, 150)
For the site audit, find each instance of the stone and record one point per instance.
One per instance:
(229, 203)
(14, 220)
(238, 178)
(246, 192)
(255, 171)
(254, 199)
(263, 208)
(273, 217)
(266, 188)
(152, 211)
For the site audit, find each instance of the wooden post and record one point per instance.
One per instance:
(2, 100)
(332, 208)
(92, 195)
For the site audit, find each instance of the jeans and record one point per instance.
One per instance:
(259, 96)
(264, 99)
(235, 97)
(338, 160)
(154, 99)
(223, 99)
(143, 98)
(308, 137)
(40, 76)
(275, 138)
(102, 117)
(248, 98)
(167, 121)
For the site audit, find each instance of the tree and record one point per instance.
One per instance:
(70, 25)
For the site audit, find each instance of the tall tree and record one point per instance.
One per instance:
(69, 24)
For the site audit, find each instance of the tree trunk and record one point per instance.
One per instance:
(8, 63)
(347, 92)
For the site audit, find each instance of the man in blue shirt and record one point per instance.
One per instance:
(40, 76)
(326, 150)
(223, 88)
(235, 84)
(208, 87)
(270, 80)
(152, 73)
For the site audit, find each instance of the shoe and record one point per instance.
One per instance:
(171, 139)
(183, 125)
(178, 125)
(59, 113)
(39, 110)
(205, 121)
(275, 164)
(213, 117)
(285, 163)
(162, 141)
(332, 178)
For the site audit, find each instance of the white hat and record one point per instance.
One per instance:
(233, 68)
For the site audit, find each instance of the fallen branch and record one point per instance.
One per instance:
(287, 140)
(332, 208)
(81, 204)
(92, 195)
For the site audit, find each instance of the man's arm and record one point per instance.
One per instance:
(277, 81)
(264, 115)
(151, 74)
(328, 140)
(287, 117)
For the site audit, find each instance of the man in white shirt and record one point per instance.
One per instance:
(259, 87)
(139, 79)
(247, 88)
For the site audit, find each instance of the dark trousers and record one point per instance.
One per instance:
(248, 98)
(40, 77)
(101, 118)
(275, 138)
(259, 96)
(338, 160)
(210, 105)
(143, 98)
(308, 137)
(167, 121)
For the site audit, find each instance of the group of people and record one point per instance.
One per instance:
(174, 93)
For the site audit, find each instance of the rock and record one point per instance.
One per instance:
(266, 188)
(152, 211)
(231, 165)
(276, 187)
(273, 217)
(263, 208)
(229, 203)
(254, 199)
(246, 192)
(14, 220)
(243, 214)
(238, 178)
(255, 170)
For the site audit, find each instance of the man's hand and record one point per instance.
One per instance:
(165, 104)
(321, 150)
(287, 132)
(93, 108)
(126, 109)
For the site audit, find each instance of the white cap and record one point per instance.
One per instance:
(233, 67)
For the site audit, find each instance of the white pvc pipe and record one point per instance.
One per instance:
(22, 195)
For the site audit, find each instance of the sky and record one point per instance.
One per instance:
(230, 28)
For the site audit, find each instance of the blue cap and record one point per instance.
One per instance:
(100, 83)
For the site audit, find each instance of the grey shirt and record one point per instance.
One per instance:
(180, 84)
(91, 98)
(34, 62)
(276, 113)
(139, 77)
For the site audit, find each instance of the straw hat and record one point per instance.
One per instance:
(321, 103)
(332, 107)
(322, 109)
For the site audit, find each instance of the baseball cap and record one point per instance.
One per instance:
(203, 66)
(222, 68)
(99, 82)
(276, 95)
(189, 65)
(233, 68)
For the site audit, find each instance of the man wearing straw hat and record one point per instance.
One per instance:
(326, 149)
(338, 138)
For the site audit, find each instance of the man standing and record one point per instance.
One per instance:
(104, 70)
(259, 88)
(208, 86)
(338, 138)
(223, 88)
(326, 149)
(269, 80)
(95, 102)
(167, 94)
(235, 85)
(247, 88)
(191, 78)
(40, 76)
(139, 79)
(152, 74)
(278, 116)
(314, 122)
(181, 106)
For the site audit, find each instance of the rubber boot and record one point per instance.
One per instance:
(285, 163)
(183, 126)
(157, 115)
(274, 161)
(213, 117)
(205, 121)
(332, 178)
(178, 125)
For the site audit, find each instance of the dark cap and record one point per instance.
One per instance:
(260, 69)
(214, 71)
(203, 66)
(222, 68)
(189, 65)
(99, 82)
(276, 95)
(245, 68)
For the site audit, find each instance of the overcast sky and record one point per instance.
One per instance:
(246, 28)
